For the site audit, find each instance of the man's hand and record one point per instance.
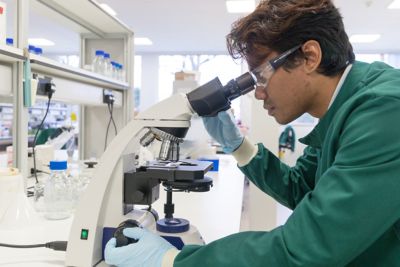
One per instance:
(224, 130)
(148, 251)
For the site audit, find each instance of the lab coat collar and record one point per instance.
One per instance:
(355, 79)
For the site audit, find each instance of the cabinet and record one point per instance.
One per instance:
(96, 30)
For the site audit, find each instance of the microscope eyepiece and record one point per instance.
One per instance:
(239, 86)
(212, 97)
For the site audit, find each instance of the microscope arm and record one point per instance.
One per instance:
(101, 205)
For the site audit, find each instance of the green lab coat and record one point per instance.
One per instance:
(344, 190)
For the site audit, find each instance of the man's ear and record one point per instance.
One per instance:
(312, 54)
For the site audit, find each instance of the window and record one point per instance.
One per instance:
(208, 67)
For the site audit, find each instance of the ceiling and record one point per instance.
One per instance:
(189, 26)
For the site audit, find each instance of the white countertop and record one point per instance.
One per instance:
(215, 213)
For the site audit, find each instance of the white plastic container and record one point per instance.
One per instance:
(3, 20)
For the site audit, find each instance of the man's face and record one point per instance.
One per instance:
(287, 95)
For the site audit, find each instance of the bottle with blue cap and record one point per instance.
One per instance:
(58, 192)
(10, 41)
(31, 49)
(98, 62)
(38, 51)
(107, 65)
(122, 73)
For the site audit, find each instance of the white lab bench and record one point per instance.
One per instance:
(215, 213)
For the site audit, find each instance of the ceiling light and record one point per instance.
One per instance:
(40, 42)
(240, 6)
(108, 9)
(143, 41)
(394, 5)
(364, 38)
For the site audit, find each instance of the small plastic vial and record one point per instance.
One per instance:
(58, 192)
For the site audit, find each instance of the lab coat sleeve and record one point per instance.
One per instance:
(288, 185)
(354, 203)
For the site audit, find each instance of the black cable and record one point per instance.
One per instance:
(55, 245)
(112, 117)
(110, 106)
(108, 127)
(36, 135)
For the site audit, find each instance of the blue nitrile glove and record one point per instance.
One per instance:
(224, 130)
(148, 251)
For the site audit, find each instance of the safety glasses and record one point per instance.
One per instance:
(263, 73)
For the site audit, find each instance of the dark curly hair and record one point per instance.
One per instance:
(278, 25)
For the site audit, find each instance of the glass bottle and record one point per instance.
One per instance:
(97, 63)
(122, 73)
(31, 49)
(38, 51)
(58, 192)
(107, 65)
(114, 70)
(10, 41)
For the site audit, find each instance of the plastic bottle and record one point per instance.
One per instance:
(114, 70)
(119, 69)
(31, 49)
(38, 51)
(122, 73)
(58, 192)
(10, 41)
(98, 62)
(107, 65)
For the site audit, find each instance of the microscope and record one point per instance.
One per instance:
(122, 182)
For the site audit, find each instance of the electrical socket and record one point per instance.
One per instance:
(108, 96)
(45, 86)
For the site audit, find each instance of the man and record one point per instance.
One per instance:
(345, 188)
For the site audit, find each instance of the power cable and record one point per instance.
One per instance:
(110, 105)
(36, 135)
(111, 109)
(55, 245)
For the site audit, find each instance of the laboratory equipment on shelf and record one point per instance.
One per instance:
(31, 49)
(10, 41)
(122, 179)
(107, 65)
(38, 51)
(98, 62)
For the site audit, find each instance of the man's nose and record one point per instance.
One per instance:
(260, 93)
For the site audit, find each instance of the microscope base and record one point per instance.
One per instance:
(190, 237)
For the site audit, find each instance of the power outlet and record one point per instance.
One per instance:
(45, 86)
(108, 97)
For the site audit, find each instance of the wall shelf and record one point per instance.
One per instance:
(9, 54)
(51, 67)
(89, 15)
